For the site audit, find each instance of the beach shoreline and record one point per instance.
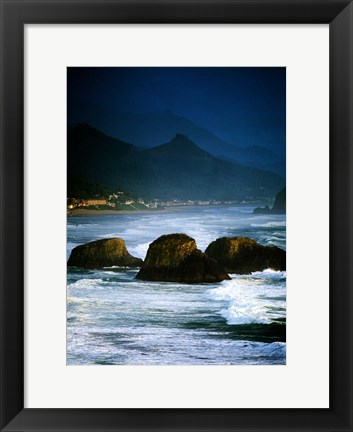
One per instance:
(84, 212)
(169, 209)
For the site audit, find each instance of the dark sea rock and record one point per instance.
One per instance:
(103, 253)
(243, 255)
(262, 210)
(175, 258)
(279, 206)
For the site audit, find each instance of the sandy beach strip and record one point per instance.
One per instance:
(90, 212)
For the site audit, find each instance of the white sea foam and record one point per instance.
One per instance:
(271, 224)
(250, 299)
(73, 300)
(274, 239)
(281, 234)
(111, 235)
(86, 283)
(132, 232)
(80, 225)
(107, 272)
(139, 250)
(114, 267)
(269, 274)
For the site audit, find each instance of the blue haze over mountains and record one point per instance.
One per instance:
(233, 119)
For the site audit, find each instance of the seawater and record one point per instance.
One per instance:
(114, 319)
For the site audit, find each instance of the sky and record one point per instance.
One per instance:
(242, 105)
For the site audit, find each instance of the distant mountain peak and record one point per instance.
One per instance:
(182, 142)
(179, 146)
(181, 138)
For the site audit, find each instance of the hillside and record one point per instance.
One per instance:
(150, 129)
(178, 169)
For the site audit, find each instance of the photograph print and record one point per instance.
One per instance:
(176, 216)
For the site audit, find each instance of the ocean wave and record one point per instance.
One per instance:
(132, 232)
(272, 224)
(111, 235)
(70, 246)
(73, 300)
(238, 315)
(277, 348)
(139, 250)
(281, 245)
(265, 275)
(80, 225)
(115, 267)
(108, 270)
(269, 274)
(275, 239)
(85, 283)
(252, 299)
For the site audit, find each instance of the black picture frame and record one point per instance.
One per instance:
(14, 15)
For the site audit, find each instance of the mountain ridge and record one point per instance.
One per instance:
(177, 169)
(147, 130)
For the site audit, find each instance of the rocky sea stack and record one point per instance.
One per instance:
(175, 258)
(103, 253)
(243, 255)
(279, 206)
